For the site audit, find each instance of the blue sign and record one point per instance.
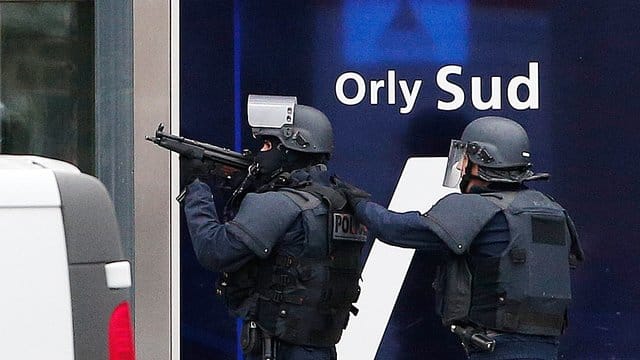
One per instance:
(406, 30)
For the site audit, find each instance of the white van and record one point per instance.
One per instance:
(65, 282)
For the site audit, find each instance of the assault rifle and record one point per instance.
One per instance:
(192, 149)
(225, 162)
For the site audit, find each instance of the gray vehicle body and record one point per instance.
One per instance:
(65, 268)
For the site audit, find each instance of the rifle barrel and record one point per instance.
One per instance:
(215, 153)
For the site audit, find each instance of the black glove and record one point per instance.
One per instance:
(353, 194)
(191, 169)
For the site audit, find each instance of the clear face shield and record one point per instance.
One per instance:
(270, 112)
(453, 172)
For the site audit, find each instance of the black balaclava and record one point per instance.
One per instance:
(272, 162)
(280, 160)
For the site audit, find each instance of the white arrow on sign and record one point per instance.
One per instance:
(419, 187)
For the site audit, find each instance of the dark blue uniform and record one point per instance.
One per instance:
(266, 224)
(489, 240)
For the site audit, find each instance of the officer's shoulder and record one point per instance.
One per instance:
(463, 200)
(303, 199)
(283, 197)
(547, 196)
(272, 198)
(538, 195)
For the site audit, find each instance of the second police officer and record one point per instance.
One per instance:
(285, 272)
(504, 286)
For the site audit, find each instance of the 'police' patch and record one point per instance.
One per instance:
(345, 226)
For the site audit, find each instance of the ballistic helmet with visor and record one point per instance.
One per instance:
(500, 148)
(299, 127)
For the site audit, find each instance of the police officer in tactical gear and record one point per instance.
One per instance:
(504, 285)
(287, 271)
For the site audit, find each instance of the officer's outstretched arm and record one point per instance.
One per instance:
(409, 230)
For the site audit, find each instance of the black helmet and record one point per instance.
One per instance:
(497, 142)
(299, 127)
(500, 148)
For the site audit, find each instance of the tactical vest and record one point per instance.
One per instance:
(527, 288)
(304, 300)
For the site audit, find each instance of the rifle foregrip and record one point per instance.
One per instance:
(185, 150)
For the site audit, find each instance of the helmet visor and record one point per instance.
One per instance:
(265, 111)
(453, 172)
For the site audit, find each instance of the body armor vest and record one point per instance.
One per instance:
(527, 288)
(304, 299)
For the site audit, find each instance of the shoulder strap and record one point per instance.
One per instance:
(576, 255)
(334, 198)
(501, 199)
(303, 199)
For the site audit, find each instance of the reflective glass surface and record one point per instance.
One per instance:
(47, 81)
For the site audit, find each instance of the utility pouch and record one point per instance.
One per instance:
(250, 338)
(457, 292)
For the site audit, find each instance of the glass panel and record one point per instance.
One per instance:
(47, 81)
(114, 109)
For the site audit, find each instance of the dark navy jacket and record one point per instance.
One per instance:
(263, 221)
(413, 230)
(483, 232)
(266, 223)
